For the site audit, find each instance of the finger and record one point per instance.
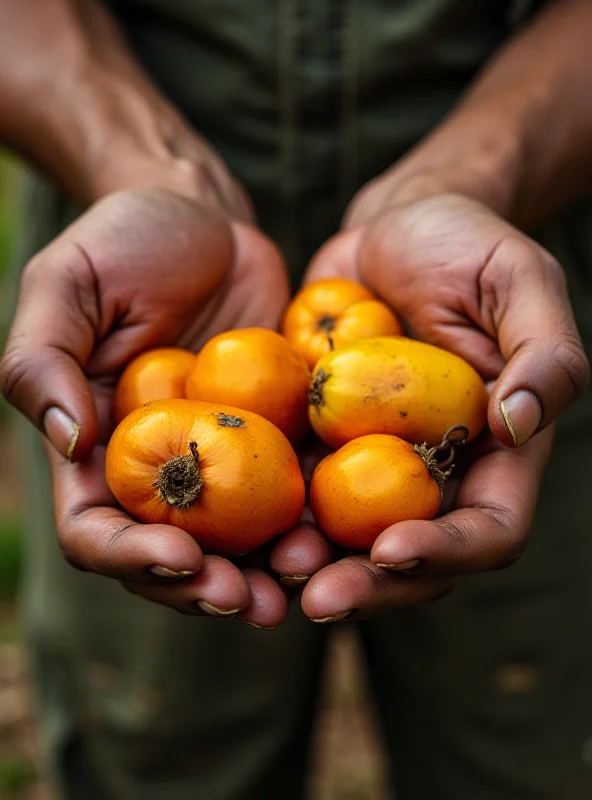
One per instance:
(95, 535)
(50, 340)
(269, 604)
(355, 588)
(337, 258)
(299, 554)
(525, 298)
(495, 508)
(218, 590)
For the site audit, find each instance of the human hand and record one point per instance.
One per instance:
(140, 269)
(464, 279)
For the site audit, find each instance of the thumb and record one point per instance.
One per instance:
(525, 292)
(52, 337)
(337, 258)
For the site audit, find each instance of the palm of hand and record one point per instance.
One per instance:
(461, 278)
(142, 270)
(161, 270)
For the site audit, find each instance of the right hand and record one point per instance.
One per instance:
(464, 279)
(140, 269)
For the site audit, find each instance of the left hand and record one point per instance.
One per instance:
(140, 269)
(464, 279)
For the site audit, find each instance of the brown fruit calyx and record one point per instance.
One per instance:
(428, 456)
(228, 421)
(315, 394)
(179, 481)
(326, 324)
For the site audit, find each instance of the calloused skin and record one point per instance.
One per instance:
(117, 282)
(148, 268)
(156, 266)
(463, 279)
(142, 269)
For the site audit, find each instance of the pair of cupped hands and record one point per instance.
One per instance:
(152, 267)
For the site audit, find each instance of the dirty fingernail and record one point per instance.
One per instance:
(171, 574)
(259, 627)
(294, 580)
(214, 611)
(335, 617)
(401, 566)
(61, 430)
(522, 414)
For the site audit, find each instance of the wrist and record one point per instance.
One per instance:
(133, 139)
(100, 131)
(78, 105)
(469, 155)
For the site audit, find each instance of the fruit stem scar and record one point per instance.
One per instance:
(326, 324)
(428, 456)
(315, 394)
(179, 481)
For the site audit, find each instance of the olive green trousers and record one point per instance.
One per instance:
(485, 695)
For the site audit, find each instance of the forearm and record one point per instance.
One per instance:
(519, 140)
(74, 101)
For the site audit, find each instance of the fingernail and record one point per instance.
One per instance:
(214, 611)
(61, 430)
(522, 414)
(294, 580)
(259, 627)
(335, 617)
(165, 572)
(401, 566)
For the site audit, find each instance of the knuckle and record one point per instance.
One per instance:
(112, 551)
(550, 268)
(37, 264)
(379, 578)
(513, 535)
(14, 368)
(200, 174)
(514, 260)
(460, 539)
(573, 363)
(512, 555)
(67, 552)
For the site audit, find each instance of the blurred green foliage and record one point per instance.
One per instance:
(7, 209)
(10, 555)
(16, 774)
(10, 526)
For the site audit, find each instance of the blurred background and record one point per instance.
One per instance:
(349, 764)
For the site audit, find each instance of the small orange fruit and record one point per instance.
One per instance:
(398, 386)
(371, 483)
(229, 478)
(159, 374)
(330, 313)
(254, 369)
